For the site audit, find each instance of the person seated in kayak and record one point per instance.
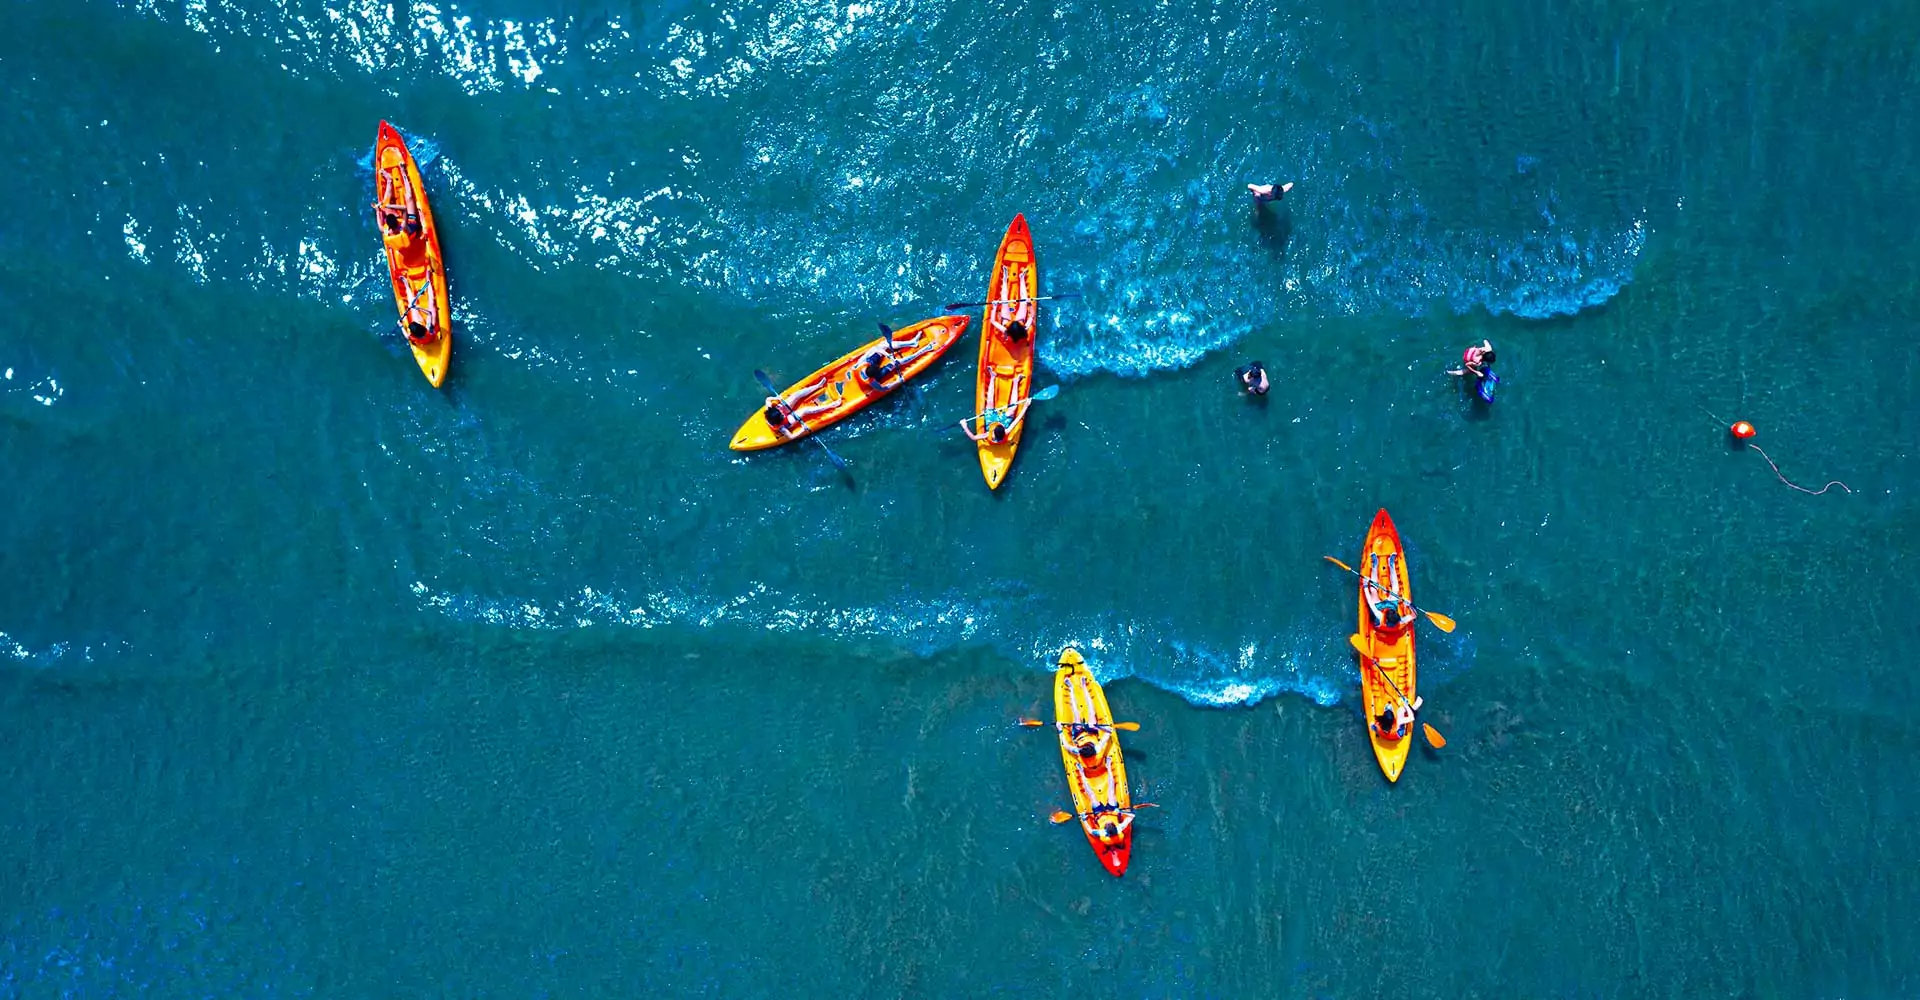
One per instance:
(403, 239)
(422, 318)
(396, 195)
(1109, 822)
(1253, 378)
(1395, 719)
(782, 413)
(1475, 361)
(998, 423)
(1389, 611)
(884, 365)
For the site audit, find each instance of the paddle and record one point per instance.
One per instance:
(1132, 727)
(1440, 621)
(1063, 816)
(1433, 735)
(1045, 394)
(838, 462)
(995, 302)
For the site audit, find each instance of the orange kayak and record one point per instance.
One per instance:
(843, 388)
(414, 264)
(1389, 662)
(1006, 363)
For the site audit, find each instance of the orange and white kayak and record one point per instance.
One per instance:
(1386, 668)
(414, 264)
(1090, 749)
(844, 388)
(1006, 363)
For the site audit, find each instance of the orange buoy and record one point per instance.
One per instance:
(1742, 430)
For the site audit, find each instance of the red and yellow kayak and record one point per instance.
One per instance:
(1384, 561)
(1095, 772)
(1006, 365)
(842, 389)
(414, 264)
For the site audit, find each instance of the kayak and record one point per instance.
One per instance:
(1006, 365)
(1095, 772)
(414, 264)
(842, 388)
(1384, 560)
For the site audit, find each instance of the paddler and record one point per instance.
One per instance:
(1111, 821)
(1016, 332)
(998, 424)
(884, 363)
(1395, 719)
(781, 414)
(423, 327)
(1389, 611)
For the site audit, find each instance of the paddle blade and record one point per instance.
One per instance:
(951, 306)
(1031, 722)
(1433, 736)
(1132, 727)
(1048, 393)
(1060, 817)
(762, 378)
(1342, 565)
(1359, 646)
(1440, 621)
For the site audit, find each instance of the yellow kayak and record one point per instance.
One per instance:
(1090, 749)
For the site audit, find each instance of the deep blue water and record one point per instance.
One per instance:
(318, 682)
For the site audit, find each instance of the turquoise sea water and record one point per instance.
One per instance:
(315, 681)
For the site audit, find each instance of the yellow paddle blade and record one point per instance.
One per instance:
(1031, 722)
(1342, 565)
(1061, 816)
(1132, 727)
(1433, 736)
(1440, 621)
(1359, 645)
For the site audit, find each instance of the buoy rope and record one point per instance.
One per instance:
(1797, 486)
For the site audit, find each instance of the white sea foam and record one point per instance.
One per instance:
(1251, 671)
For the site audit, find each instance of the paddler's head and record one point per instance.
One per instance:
(1016, 331)
(393, 222)
(1084, 749)
(998, 432)
(415, 330)
(1386, 720)
(775, 415)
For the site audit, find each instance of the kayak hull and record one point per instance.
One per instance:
(390, 153)
(1392, 648)
(844, 391)
(1002, 361)
(1102, 779)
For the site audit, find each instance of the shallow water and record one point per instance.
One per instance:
(319, 682)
